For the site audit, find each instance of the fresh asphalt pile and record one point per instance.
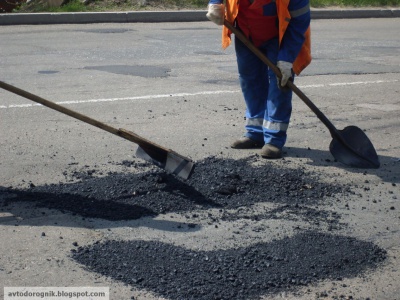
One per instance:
(244, 273)
(226, 190)
(216, 183)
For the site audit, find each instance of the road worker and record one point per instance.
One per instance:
(281, 30)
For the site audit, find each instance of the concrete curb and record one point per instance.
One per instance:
(103, 17)
(168, 16)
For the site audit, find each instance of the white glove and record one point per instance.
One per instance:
(286, 71)
(216, 13)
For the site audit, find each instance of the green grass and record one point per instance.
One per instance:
(41, 6)
(71, 6)
(113, 5)
(126, 5)
(354, 3)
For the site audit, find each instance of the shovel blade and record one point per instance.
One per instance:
(172, 162)
(354, 149)
(177, 165)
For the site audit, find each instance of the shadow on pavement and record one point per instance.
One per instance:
(389, 170)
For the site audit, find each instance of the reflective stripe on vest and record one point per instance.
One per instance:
(299, 12)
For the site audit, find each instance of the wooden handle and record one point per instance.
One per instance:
(128, 135)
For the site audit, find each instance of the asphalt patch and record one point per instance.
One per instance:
(242, 273)
(223, 184)
(107, 30)
(209, 52)
(141, 71)
(48, 72)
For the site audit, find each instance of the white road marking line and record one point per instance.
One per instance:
(348, 83)
(147, 97)
(383, 107)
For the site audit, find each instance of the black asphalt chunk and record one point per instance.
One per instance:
(242, 273)
(216, 183)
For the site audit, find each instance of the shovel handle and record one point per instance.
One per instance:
(128, 135)
(277, 72)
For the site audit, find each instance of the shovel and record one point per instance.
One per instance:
(349, 146)
(164, 158)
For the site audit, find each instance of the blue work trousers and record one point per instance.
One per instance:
(268, 108)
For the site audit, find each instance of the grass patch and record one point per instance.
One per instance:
(43, 6)
(354, 3)
(73, 6)
(134, 5)
(112, 5)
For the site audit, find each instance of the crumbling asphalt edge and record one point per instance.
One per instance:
(169, 16)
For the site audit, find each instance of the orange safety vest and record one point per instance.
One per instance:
(304, 57)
